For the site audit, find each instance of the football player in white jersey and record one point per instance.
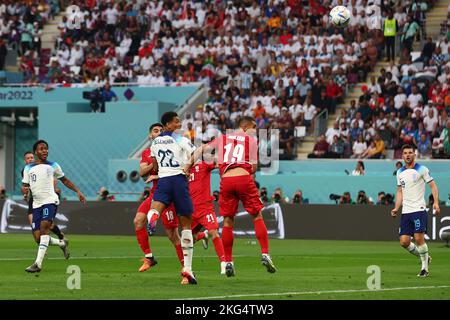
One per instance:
(171, 152)
(411, 180)
(28, 158)
(39, 178)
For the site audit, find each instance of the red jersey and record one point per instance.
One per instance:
(147, 159)
(200, 188)
(235, 150)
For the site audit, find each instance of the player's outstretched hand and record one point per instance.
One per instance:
(436, 209)
(151, 178)
(186, 171)
(81, 197)
(394, 212)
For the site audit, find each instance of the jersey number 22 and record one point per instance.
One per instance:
(167, 159)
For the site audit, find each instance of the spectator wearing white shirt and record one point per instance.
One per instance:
(431, 121)
(310, 112)
(331, 132)
(296, 109)
(111, 16)
(393, 69)
(124, 47)
(408, 66)
(400, 98)
(76, 56)
(272, 111)
(374, 86)
(359, 147)
(358, 120)
(414, 97)
(254, 11)
(145, 78)
(146, 62)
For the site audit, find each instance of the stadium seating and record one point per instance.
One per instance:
(236, 49)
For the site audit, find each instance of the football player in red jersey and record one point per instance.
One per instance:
(237, 160)
(169, 218)
(204, 214)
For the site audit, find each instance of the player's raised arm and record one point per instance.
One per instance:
(189, 148)
(398, 201)
(144, 169)
(69, 184)
(435, 193)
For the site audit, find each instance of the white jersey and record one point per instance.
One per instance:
(41, 177)
(413, 182)
(172, 151)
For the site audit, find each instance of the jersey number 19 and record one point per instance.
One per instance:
(237, 153)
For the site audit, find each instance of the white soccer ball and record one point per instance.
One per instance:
(340, 16)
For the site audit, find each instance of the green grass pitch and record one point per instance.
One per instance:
(307, 269)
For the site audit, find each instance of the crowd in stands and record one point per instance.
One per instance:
(408, 103)
(280, 61)
(21, 28)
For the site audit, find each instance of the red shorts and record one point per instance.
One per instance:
(233, 189)
(207, 220)
(168, 217)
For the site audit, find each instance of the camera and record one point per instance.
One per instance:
(335, 197)
(216, 195)
(296, 198)
(96, 99)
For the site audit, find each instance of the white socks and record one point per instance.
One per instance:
(413, 249)
(56, 242)
(187, 246)
(46, 240)
(43, 245)
(423, 251)
(223, 264)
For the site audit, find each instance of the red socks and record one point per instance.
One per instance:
(218, 245)
(227, 240)
(200, 236)
(180, 254)
(261, 235)
(142, 238)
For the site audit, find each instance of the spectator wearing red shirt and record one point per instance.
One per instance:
(334, 93)
(147, 48)
(284, 38)
(320, 148)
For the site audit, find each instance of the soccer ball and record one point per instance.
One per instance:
(340, 16)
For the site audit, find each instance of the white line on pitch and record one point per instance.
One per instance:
(312, 292)
(94, 258)
(199, 257)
